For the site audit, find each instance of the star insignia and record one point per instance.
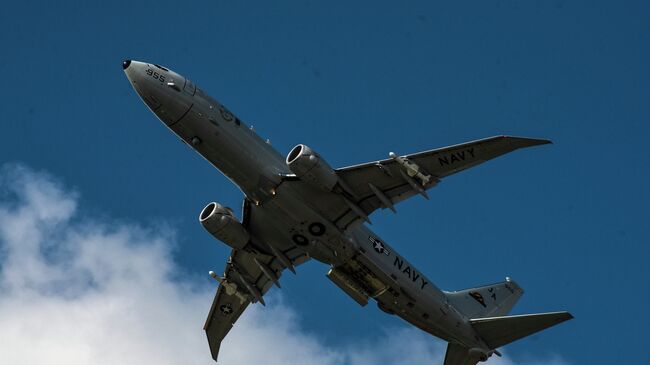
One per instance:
(226, 309)
(378, 246)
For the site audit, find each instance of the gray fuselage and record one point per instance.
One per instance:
(258, 169)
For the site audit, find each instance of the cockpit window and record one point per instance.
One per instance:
(189, 87)
(162, 68)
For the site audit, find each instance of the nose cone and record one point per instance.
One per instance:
(134, 70)
(164, 91)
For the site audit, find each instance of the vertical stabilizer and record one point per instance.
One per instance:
(486, 301)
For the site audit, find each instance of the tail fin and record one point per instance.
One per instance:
(499, 331)
(486, 301)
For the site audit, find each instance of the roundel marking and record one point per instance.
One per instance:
(300, 240)
(317, 229)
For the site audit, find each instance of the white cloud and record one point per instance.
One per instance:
(78, 290)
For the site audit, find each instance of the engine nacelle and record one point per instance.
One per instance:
(222, 224)
(310, 167)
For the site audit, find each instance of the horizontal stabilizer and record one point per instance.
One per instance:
(499, 331)
(460, 355)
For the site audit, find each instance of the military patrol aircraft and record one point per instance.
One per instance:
(297, 208)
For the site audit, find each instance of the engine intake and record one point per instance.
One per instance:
(221, 223)
(311, 167)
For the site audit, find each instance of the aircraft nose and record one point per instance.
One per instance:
(126, 64)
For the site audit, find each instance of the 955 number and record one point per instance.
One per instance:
(155, 75)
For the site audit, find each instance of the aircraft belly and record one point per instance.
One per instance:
(230, 148)
(410, 294)
(357, 255)
(307, 228)
(366, 270)
(212, 145)
(421, 317)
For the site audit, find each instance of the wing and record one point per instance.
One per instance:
(381, 184)
(249, 275)
(224, 312)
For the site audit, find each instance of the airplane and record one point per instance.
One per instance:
(298, 207)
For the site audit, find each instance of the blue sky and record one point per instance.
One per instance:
(353, 81)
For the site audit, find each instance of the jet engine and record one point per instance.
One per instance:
(311, 167)
(222, 224)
